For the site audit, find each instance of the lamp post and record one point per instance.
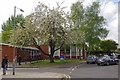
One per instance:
(14, 58)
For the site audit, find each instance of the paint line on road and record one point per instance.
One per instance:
(66, 77)
(73, 69)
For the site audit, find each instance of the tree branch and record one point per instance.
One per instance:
(38, 46)
(60, 45)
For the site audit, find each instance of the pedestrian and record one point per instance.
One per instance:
(19, 60)
(4, 64)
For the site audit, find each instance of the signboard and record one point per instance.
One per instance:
(62, 56)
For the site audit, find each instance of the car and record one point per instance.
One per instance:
(91, 59)
(118, 56)
(107, 60)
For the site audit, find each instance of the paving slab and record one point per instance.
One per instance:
(34, 75)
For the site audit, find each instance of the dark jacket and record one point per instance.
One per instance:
(4, 63)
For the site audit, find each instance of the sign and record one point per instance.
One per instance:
(62, 56)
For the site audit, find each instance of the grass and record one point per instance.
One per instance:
(46, 63)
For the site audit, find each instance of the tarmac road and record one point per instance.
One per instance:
(94, 71)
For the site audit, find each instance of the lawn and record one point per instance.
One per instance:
(46, 63)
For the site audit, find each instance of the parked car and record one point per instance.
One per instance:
(91, 59)
(118, 56)
(107, 60)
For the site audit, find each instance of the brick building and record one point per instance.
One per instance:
(26, 53)
(32, 53)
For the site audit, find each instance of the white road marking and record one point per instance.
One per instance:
(73, 69)
(68, 77)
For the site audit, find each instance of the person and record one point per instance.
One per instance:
(4, 64)
(19, 60)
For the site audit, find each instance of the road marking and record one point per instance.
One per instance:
(67, 77)
(73, 69)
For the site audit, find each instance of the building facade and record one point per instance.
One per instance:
(71, 52)
(26, 53)
(32, 53)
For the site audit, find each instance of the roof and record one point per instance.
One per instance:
(19, 46)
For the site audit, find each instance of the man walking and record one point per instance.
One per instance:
(19, 60)
(4, 64)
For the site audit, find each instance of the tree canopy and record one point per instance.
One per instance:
(44, 26)
(108, 45)
(88, 24)
(8, 26)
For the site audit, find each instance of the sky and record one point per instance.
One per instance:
(109, 9)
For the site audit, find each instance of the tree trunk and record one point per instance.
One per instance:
(51, 59)
(51, 56)
(52, 50)
(83, 51)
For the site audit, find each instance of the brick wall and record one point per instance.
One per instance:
(7, 51)
(45, 49)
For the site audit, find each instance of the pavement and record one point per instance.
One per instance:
(34, 75)
(26, 74)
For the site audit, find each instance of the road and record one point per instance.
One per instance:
(94, 71)
(78, 70)
(89, 71)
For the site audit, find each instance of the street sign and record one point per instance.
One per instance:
(62, 56)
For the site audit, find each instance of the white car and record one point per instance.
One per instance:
(91, 59)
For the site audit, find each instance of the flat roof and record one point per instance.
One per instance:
(19, 46)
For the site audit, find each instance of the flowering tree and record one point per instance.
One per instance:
(44, 26)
